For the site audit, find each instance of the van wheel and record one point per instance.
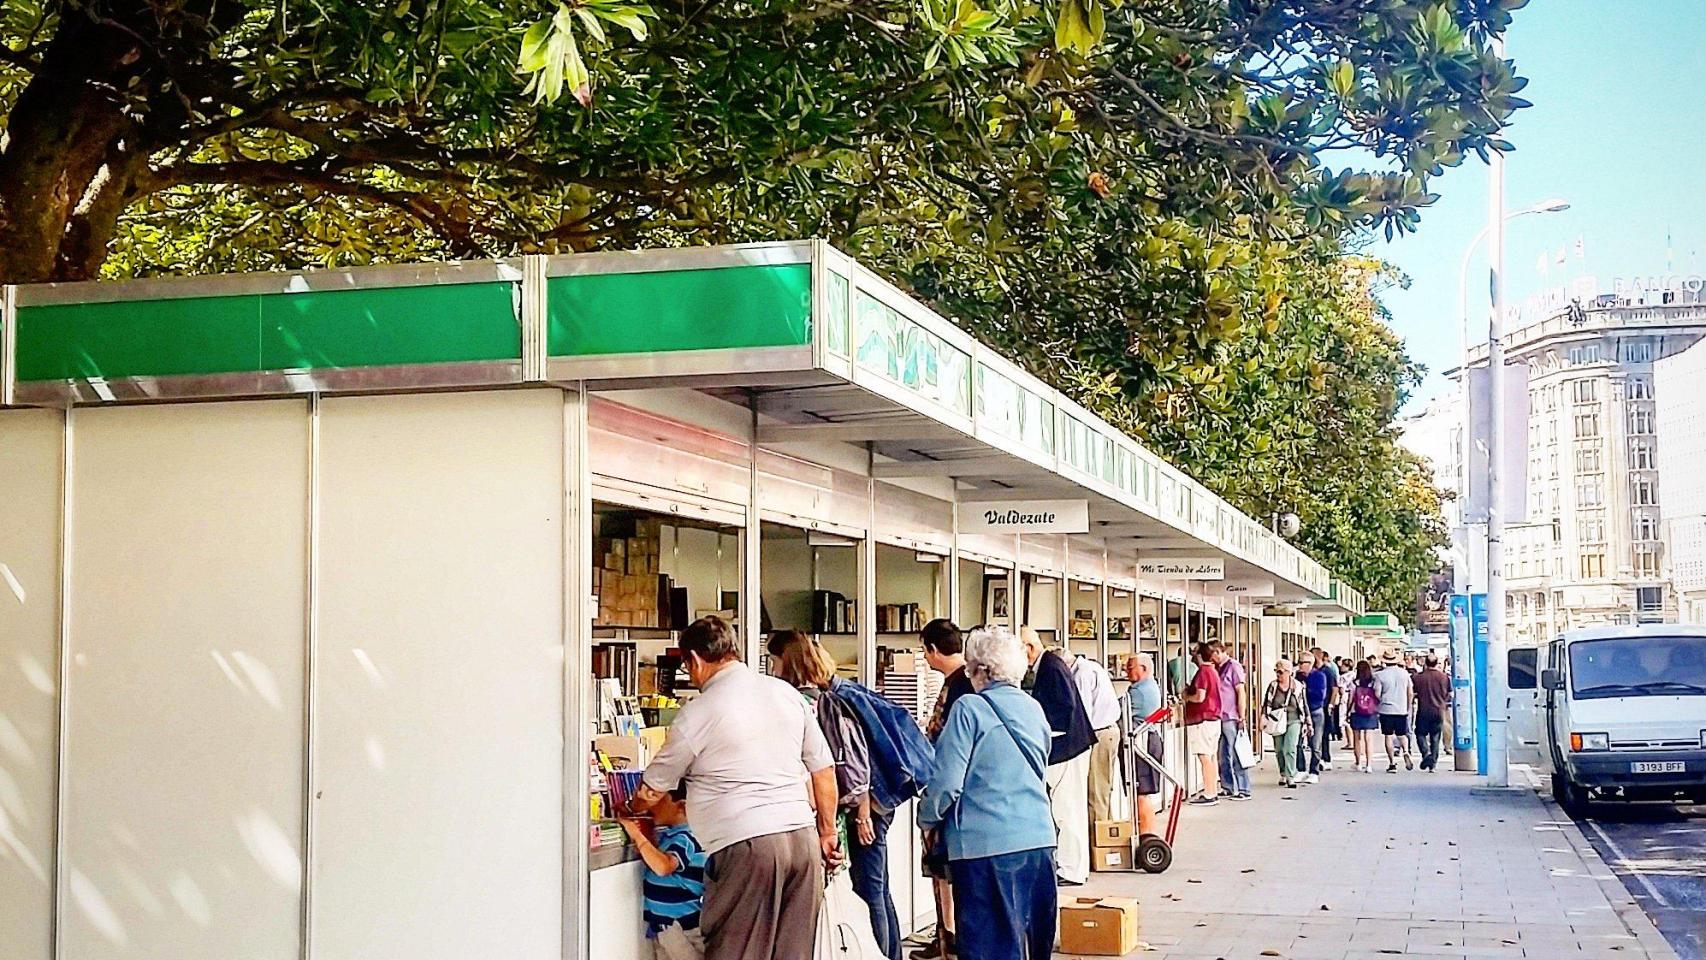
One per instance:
(1572, 796)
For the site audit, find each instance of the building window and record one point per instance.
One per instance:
(1646, 527)
(1584, 355)
(1585, 391)
(1648, 599)
(1646, 492)
(1587, 425)
(1640, 388)
(1641, 455)
(1647, 560)
(1641, 421)
(1588, 458)
(1590, 529)
(1638, 351)
(1590, 492)
(1593, 566)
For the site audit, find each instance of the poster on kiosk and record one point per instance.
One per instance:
(1469, 676)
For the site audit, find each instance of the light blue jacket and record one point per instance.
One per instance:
(987, 792)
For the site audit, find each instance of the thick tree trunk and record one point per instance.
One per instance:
(67, 132)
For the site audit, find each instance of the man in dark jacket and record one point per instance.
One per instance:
(1050, 682)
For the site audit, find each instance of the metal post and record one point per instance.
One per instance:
(578, 614)
(1498, 706)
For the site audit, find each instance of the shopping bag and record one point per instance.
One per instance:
(1246, 750)
(844, 924)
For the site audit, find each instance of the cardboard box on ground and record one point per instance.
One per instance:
(1099, 926)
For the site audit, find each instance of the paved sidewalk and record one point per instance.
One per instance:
(1370, 866)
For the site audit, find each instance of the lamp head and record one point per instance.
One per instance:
(1554, 205)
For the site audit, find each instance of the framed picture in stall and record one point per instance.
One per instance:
(997, 600)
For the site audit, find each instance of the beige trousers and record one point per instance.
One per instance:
(1104, 756)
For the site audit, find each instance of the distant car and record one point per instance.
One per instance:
(1614, 713)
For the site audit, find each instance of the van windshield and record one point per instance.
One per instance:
(1646, 666)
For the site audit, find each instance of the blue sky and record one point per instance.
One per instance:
(1618, 128)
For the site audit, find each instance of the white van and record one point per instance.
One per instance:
(1614, 713)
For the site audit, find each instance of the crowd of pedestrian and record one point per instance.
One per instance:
(767, 786)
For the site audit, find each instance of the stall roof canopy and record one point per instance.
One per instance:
(826, 348)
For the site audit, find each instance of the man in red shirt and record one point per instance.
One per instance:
(1433, 701)
(1202, 724)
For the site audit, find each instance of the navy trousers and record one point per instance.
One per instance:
(1004, 906)
(871, 882)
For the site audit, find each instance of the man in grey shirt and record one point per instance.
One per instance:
(745, 746)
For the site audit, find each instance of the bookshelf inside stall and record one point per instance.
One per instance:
(653, 574)
(809, 581)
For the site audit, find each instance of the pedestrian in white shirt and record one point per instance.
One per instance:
(1396, 691)
(1096, 687)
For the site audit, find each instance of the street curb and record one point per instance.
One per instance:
(1627, 908)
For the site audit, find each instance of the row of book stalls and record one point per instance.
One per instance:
(342, 608)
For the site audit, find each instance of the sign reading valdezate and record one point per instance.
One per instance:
(1184, 568)
(1026, 516)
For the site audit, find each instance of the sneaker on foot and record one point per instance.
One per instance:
(1204, 801)
(1326, 765)
(1408, 763)
(1391, 768)
(1237, 796)
(1312, 778)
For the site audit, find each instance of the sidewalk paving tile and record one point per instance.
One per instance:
(1364, 867)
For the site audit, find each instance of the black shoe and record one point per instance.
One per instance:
(933, 949)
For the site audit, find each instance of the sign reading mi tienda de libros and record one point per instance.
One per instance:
(1026, 516)
(1184, 568)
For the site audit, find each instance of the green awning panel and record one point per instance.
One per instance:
(248, 333)
(600, 314)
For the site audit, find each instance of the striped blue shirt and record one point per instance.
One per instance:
(678, 897)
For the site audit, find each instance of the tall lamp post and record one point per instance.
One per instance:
(1462, 654)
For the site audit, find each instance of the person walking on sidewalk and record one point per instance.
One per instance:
(988, 797)
(1396, 691)
(1096, 689)
(1285, 713)
(1364, 715)
(1234, 702)
(1332, 707)
(1433, 702)
(1049, 681)
(1347, 682)
(1317, 689)
(1202, 725)
(744, 746)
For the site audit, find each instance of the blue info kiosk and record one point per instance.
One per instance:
(1469, 674)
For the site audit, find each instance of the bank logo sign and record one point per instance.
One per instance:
(1026, 516)
(1186, 568)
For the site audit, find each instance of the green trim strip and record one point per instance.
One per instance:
(315, 330)
(597, 314)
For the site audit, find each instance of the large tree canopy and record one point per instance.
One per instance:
(1147, 200)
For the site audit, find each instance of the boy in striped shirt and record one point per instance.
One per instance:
(674, 888)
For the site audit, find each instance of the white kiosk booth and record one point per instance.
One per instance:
(331, 602)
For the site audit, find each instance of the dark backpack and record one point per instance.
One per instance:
(1364, 701)
(845, 734)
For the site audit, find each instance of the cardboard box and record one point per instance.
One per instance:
(1111, 859)
(1112, 833)
(1099, 926)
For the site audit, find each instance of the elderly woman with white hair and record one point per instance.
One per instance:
(988, 799)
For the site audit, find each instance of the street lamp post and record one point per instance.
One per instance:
(1498, 759)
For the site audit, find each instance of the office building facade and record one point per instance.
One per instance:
(1587, 544)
